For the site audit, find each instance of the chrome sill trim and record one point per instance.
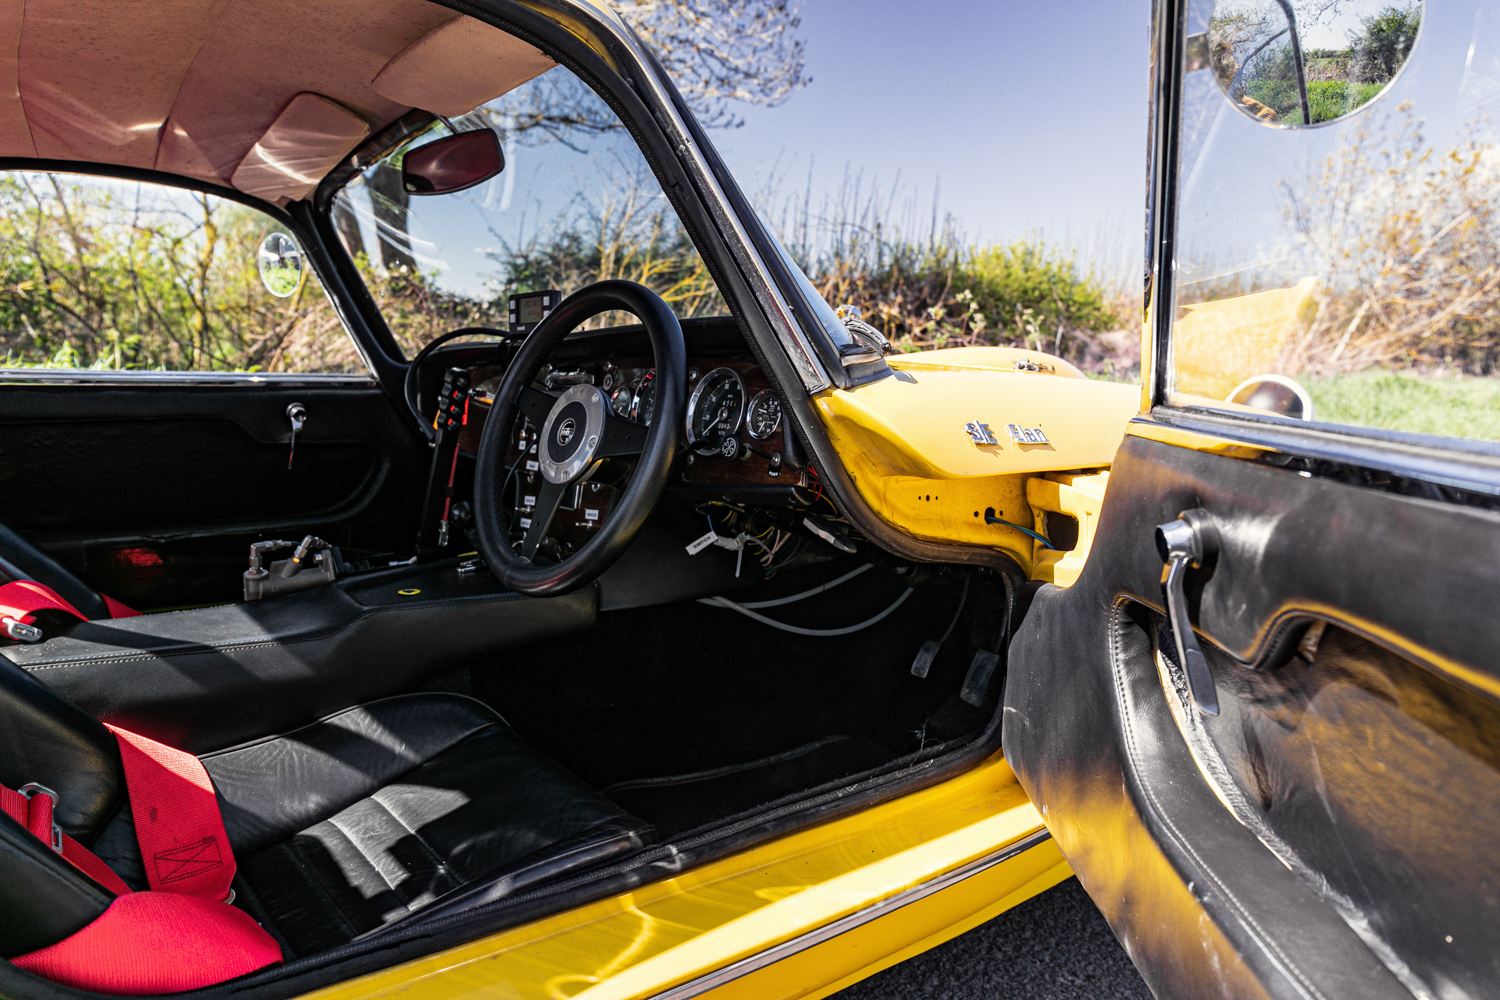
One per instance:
(828, 932)
(83, 376)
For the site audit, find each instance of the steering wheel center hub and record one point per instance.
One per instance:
(570, 435)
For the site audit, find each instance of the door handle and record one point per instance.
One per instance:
(1190, 541)
(297, 414)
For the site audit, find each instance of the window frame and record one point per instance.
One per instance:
(1455, 463)
(306, 236)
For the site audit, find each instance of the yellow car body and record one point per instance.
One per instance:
(1251, 704)
(801, 916)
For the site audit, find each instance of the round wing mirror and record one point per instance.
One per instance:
(283, 266)
(1305, 62)
(452, 163)
(1274, 394)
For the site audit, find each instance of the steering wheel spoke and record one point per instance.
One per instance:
(621, 437)
(575, 429)
(536, 404)
(548, 497)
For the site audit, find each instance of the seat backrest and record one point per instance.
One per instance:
(20, 560)
(47, 740)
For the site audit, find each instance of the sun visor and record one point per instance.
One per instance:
(15, 130)
(304, 142)
(455, 68)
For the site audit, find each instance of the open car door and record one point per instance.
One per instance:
(1264, 724)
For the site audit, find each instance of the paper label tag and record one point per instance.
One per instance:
(700, 544)
(590, 515)
(532, 466)
(528, 501)
(525, 522)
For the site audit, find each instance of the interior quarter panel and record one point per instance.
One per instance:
(1197, 897)
(194, 467)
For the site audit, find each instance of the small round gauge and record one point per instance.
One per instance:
(620, 400)
(715, 409)
(643, 403)
(763, 415)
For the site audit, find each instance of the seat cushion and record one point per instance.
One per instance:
(360, 819)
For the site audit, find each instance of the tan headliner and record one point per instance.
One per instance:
(191, 87)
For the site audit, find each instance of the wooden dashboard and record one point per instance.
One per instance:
(627, 381)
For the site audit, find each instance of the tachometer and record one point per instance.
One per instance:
(715, 410)
(643, 403)
(763, 415)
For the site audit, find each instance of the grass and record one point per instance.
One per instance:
(1426, 404)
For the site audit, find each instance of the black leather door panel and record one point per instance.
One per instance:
(175, 474)
(150, 486)
(1380, 779)
(1314, 839)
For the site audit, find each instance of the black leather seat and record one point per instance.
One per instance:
(339, 828)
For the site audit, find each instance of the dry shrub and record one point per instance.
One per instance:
(1406, 242)
(936, 289)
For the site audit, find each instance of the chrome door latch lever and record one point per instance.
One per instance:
(1190, 541)
(297, 414)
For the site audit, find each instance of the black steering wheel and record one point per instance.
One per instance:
(577, 429)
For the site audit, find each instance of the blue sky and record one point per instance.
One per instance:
(1024, 116)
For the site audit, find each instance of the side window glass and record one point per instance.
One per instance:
(103, 274)
(1337, 225)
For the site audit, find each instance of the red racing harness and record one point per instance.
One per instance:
(21, 599)
(181, 934)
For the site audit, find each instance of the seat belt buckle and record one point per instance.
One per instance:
(30, 791)
(20, 631)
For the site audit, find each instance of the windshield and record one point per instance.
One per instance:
(576, 203)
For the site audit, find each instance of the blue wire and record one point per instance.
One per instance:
(992, 519)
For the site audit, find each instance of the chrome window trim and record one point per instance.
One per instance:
(1168, 30)
(84, 376)
(829, 931)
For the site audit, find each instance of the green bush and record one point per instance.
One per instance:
(1326, 99)
(1009, 281)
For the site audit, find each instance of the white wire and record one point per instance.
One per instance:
(725, 603)
(795, 597)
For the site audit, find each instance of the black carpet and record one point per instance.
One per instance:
(1054, 946)
(675, 803)
(684, 688)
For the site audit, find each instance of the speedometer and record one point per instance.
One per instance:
(715, 410)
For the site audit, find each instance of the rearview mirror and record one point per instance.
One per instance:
(1305, 62)
(452, 163)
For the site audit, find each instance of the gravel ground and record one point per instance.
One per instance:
(1055, 945)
